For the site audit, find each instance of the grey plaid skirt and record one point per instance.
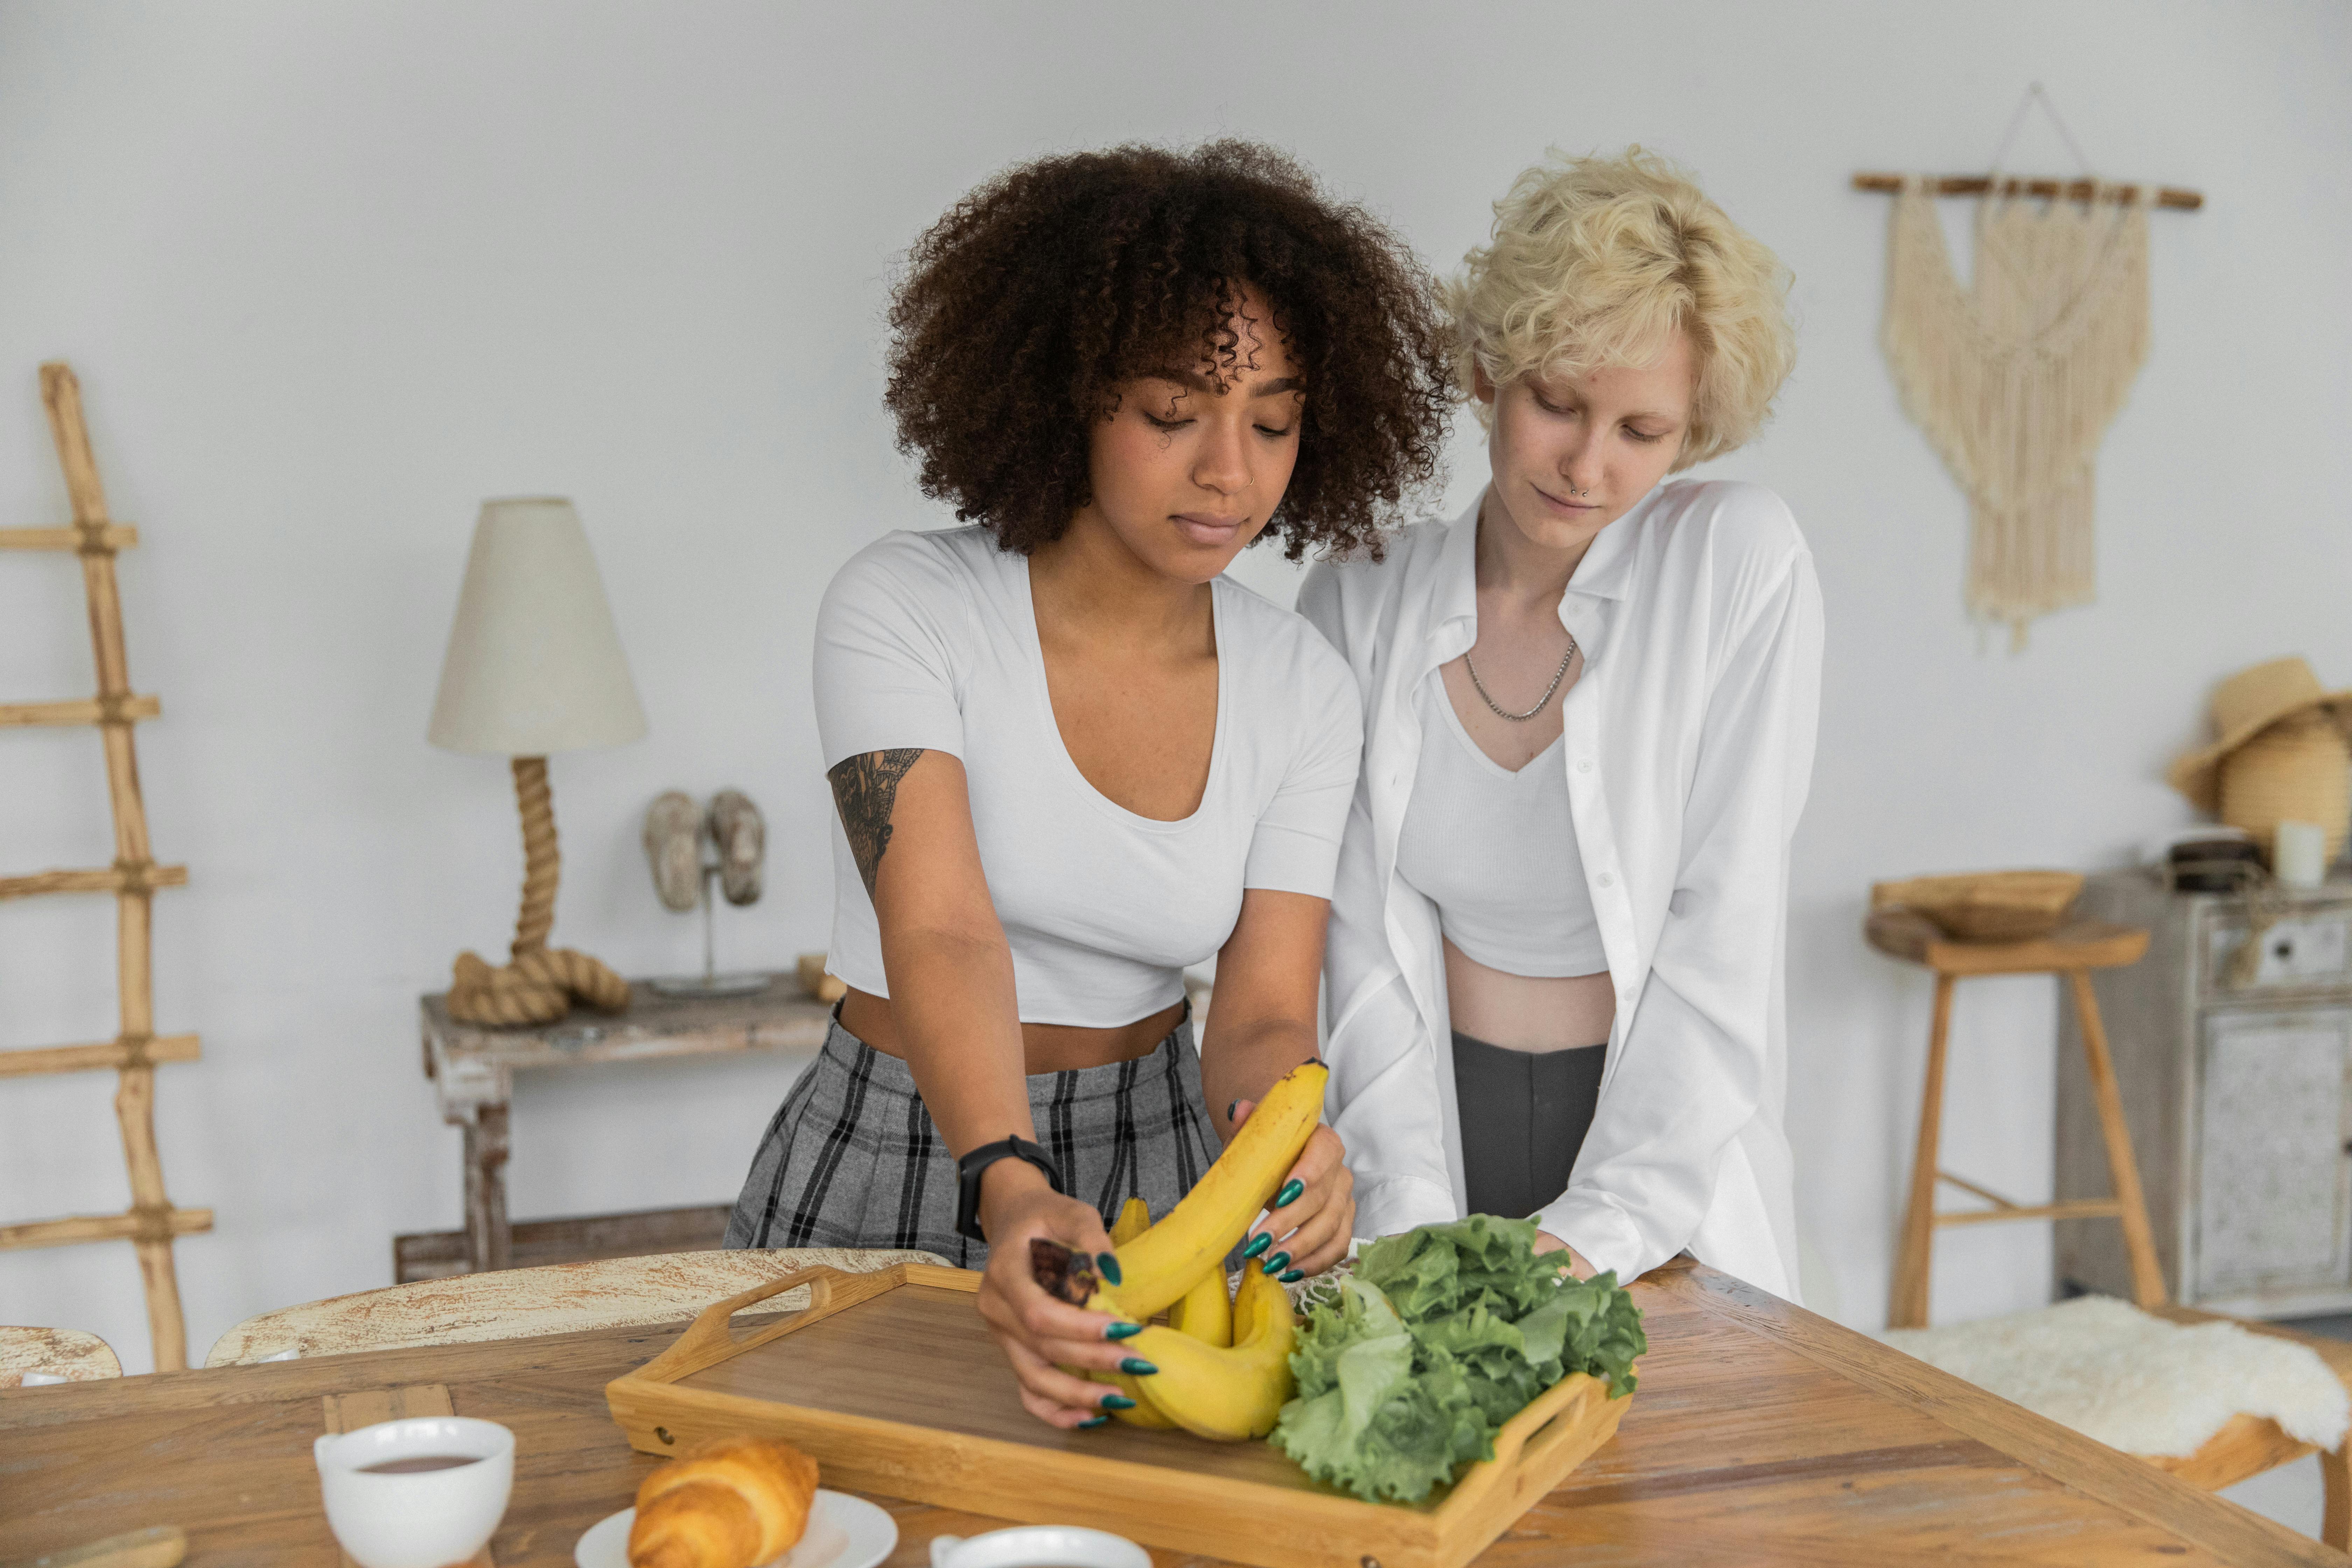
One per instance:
(852, 1159)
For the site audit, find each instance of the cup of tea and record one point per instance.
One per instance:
(420, 1493)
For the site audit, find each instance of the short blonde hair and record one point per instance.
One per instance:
(1599, 262)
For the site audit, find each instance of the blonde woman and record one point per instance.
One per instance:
(1554, 977)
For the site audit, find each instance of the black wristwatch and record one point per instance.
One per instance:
(969, 1168)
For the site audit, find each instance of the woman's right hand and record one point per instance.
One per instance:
(1040, 1334)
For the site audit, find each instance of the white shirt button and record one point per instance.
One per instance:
(1607, 880)
(1585, 766)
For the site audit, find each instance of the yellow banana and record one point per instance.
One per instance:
(1157, 1268)
(1179, 1265)
(1205, 1312)
(1134, 1219)
(1228, 1396)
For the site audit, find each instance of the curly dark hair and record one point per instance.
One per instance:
(1023, 307)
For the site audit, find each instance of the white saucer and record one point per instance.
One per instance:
(844, 1531)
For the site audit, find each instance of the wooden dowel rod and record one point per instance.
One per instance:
(1987, 1193)
(134, 1109)
(61, 392)
(135, 969)
(2088, 1208)
(113, 879)
(24, 1062)
(86, 711)
(2170, 196)
(112, 536)
(79, 1229)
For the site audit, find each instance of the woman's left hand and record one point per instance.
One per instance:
(1313, 1217)
(1576, 1264)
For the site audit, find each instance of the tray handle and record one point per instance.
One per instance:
(1526, 1438)
(709, 1340)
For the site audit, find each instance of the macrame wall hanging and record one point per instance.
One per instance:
(2016, 377)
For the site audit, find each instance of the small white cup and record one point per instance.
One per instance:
(423, 1519)
(1039, 1546)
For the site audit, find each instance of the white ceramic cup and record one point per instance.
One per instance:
(424, 1519)
(1039, 1546)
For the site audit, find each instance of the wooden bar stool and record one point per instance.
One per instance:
(2073, 950)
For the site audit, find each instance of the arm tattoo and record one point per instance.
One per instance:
(864, 790)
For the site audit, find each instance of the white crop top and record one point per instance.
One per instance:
(930, 640)
(1495, 851)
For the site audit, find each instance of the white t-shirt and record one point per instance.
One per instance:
(1495, 851)
(929, 640)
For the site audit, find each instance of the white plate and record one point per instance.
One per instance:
(844, 1531)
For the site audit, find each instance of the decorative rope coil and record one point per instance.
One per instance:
(540, 982)
(542, 865)
(536, 988)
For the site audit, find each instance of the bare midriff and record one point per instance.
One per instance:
(1047, 1047)
(1528, 1012)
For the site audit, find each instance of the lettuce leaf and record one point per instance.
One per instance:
(1439, 1337)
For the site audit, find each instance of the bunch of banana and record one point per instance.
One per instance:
(1224, 1365)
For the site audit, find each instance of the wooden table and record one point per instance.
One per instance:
(472, 1067)
(1761, 1434)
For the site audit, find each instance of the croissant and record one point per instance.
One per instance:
(732, 1503)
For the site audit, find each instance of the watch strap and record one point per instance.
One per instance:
(968, 1175)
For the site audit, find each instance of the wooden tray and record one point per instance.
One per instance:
(891, 1383)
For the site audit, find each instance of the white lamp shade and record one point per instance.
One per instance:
(534, 665)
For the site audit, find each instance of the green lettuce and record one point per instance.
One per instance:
(1437, 1338)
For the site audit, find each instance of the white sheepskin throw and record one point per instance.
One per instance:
(2138, 1382)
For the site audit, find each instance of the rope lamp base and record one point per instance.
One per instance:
(536, 988)
(540, 983)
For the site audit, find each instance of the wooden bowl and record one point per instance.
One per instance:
(1986, 906)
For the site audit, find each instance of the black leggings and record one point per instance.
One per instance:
(1524, 1116)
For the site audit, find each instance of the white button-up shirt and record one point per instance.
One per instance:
(1688, 745)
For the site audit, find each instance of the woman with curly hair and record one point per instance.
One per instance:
(1555, 973)
(1069, 757)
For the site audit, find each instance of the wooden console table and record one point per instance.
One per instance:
(473, 1066)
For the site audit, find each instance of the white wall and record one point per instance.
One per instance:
(332, 274)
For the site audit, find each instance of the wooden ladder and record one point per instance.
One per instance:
(151, 1221)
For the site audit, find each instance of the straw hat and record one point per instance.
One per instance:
(2245, 705)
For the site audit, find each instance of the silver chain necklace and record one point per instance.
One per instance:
(1557, 677)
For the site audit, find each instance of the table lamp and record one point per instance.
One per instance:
(534, 667)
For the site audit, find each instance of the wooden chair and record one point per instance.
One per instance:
(68, 1355)
(2248, 1445)
(2073, 950)
(519, 1303)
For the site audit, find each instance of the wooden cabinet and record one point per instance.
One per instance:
(2238, 1089)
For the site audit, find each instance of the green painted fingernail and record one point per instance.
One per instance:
(1117, 1402)
(1283, 1199)
(1107, 1264)
(1258, 1244)
(1292, 1277)
(1092, 1421)
(1122, 1330)
(1136, 1366)
(1277, 1263)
